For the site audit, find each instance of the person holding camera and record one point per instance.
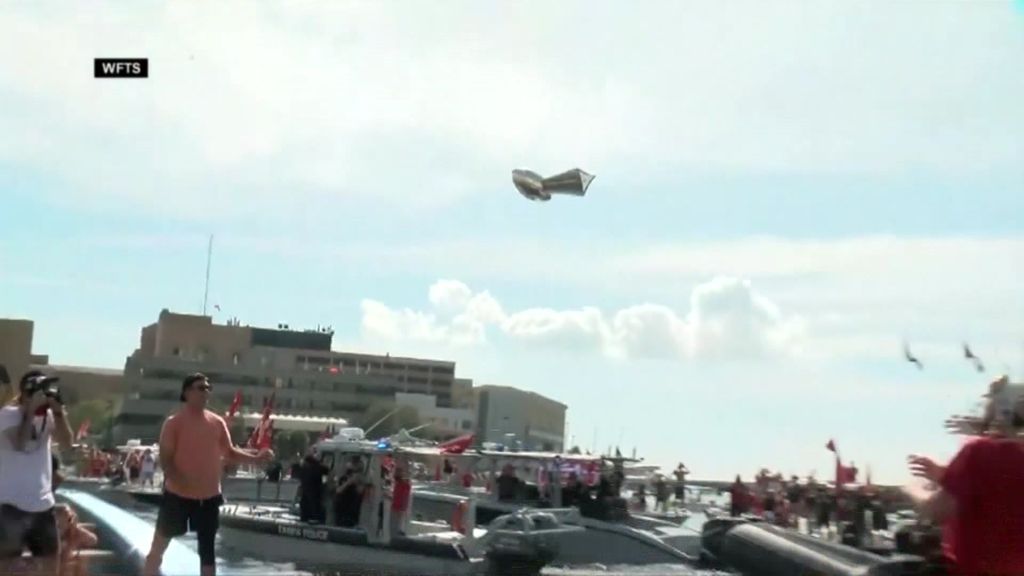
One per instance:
(27, 425)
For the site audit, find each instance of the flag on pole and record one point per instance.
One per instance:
(83, 430)
(260, 437)
(457, 445)
(236, 403)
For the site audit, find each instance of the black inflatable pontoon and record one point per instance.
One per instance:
(759, 549)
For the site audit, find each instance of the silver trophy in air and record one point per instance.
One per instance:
(531, 185)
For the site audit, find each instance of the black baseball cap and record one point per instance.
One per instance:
(189, 381)
(37, 377)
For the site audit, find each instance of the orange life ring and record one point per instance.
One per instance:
(458, 523)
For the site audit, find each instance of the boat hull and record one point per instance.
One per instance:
(321, 547)
(600, 542)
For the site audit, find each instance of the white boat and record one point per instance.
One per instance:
(610, 536)
(522, 542)
(243, 486)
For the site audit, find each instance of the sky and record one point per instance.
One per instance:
(785, 192)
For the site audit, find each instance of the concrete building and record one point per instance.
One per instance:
(444, 422)
(15, 352)
(536, 421)
(76, 382)
(307, 378)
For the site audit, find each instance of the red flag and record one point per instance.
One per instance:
(457, 445)
(831, 446)
(262, 431)
(83, 430)
(264, 442)
(236, 403)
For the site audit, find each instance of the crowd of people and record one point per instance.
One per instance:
(785, 502)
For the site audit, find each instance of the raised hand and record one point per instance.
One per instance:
(924, 467)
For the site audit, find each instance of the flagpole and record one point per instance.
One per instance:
(209, 257)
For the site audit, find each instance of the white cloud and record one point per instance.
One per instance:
(727, 319)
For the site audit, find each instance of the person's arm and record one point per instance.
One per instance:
(168, 447)
(61, 426)
(21, 435)
(236, 455)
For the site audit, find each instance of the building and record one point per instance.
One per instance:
(442, 422)
(297, 367)
(536, 421)
(15, 352)
(77, 383)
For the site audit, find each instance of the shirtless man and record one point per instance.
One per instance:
(194, 443)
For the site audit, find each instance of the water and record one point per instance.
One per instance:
(233, 564)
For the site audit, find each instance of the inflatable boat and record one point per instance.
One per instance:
(756, 548)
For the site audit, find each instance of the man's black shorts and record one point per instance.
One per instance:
(180, 515)
(36, 531)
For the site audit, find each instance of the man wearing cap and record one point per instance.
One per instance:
(194, 443)
(27, 424)
(979, 497)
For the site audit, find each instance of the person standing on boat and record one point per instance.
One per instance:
(311, 482)
(148, 466)
(979, 498)
(740, 498)
(401, 496)
(194, 443)
(660, 493)
(680, 488)
(27, 516)
(348, 497)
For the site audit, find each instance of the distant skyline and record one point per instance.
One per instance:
(785, 193)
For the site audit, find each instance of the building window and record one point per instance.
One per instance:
(176, 351)
(467, 425)
(263, 361)
(311, 404)
(235, 358)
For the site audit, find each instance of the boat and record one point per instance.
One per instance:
(521, 542)
(612, 534)
(124, 539)
(241, 486)
(756, 548)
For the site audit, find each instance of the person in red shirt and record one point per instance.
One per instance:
(979, 498)
(401, 495)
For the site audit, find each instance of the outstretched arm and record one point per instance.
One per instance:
(236, 455)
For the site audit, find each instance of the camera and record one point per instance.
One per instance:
(44, 384)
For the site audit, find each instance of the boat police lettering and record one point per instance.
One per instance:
(307, 533)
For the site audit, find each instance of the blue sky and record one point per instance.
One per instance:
(783, 195)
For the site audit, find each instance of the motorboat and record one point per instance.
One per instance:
(757, 548)
(123, 539)
(612, 534)
(520, 542)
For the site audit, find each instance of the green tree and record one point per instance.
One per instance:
(405, 417)
(574, 450)
(98, 411)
